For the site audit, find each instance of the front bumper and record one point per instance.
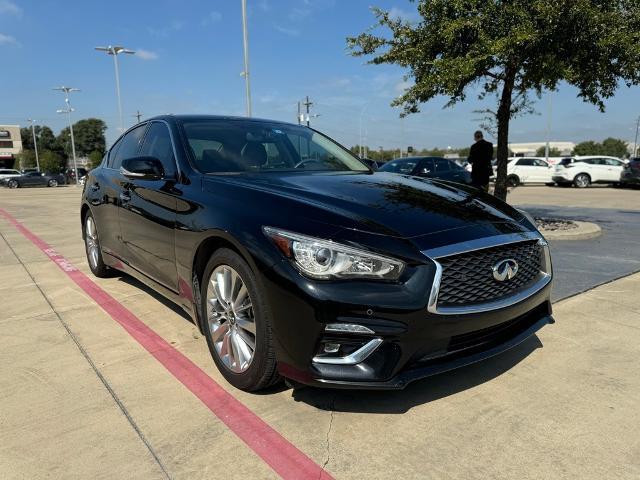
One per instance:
(416, 341)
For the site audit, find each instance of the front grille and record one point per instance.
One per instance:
(467, 278)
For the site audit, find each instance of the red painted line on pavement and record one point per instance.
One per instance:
(280, 454)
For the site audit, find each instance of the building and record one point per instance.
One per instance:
(10, 145)
(530, 149)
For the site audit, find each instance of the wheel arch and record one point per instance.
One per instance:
(215, 240)
(83, 213)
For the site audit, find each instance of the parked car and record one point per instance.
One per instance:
(522, 170)
(70, 174)
(585, 170)
(6, 173)
(631, 173)
(35, 179)
(297, 260)
(428, 167)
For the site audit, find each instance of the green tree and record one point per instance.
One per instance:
(88, 135)
(615, 147)
(508, 49)
(26, 159)
(51, 162)
(44, 136)
(95, 158)
(553, 152)
(588, 148)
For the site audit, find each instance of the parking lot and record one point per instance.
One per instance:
(101, 378)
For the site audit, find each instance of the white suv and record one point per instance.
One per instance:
(8, 173)
(528, 170)
(583, 171)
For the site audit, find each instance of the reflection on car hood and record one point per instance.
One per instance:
(386, 203)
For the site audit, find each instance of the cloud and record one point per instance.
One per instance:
(399, 14)
(264, 5)
(175, 26)
(308, 8)
(213, 17)
(146, 54)
(292, 32)
(10, 8)
(8, 40)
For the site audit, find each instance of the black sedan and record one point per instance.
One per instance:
(428, 167)
(35, 179)
(296, 260)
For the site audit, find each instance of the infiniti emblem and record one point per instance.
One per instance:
(505, 269)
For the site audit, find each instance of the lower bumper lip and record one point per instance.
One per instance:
(405, 378)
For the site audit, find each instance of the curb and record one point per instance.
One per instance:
(585, 231)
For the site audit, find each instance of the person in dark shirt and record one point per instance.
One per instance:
(480, 156)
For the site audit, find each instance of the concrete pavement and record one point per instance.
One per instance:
(80, 398)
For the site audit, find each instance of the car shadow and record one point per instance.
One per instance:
(420, 392)
(129, 280)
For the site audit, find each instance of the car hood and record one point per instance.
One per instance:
(387, 203)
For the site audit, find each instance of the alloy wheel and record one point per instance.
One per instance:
(53, 183)
(91, 239)
(582, 181)
(231, 319)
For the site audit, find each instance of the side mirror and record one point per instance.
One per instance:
(142, 168)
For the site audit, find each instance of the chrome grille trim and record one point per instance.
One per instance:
(481, 244)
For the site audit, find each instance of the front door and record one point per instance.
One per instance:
(148, 212)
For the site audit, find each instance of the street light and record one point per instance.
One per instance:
(68, 111)
(245, 43)
(35, 143)
(115, 51)
(635, 142)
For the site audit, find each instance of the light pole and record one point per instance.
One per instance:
(546, 148)
(35, 143)
(635, 142)
(360, 148)
(68, 110)
(115, 51)
(245, 42)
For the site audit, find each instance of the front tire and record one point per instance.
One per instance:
(52, 183)
(237, 322)
(92, 247)
(13, 184)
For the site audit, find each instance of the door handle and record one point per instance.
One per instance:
(124, 197)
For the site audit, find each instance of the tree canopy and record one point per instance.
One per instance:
(88, 135)
(553, 152)
(508, 49)
(611, 146)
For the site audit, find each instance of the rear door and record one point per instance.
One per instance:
(613, 169)
(147, 213)
(107, 185)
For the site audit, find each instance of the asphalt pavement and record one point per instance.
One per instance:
(583, 264)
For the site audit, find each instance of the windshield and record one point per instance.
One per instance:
(226, 146)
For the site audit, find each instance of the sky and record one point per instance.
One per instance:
(189, 58)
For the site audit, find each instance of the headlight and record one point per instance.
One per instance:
(319, 258)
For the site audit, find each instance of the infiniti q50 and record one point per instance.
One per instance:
(296, 260)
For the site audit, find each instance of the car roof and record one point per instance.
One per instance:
(194, 117)
(419, 158)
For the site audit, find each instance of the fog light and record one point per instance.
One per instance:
(347, 328)
(331, 347)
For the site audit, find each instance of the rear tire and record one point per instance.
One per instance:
(234, 319)
(92, 247)
(513, 181)
(13, 184)
(582, 180)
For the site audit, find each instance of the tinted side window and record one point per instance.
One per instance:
(157, 143)
(525, 162)
(399, 166)
(427, 166)
(612, 163)
(127, 147)
(442, 165)
(540, 163)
